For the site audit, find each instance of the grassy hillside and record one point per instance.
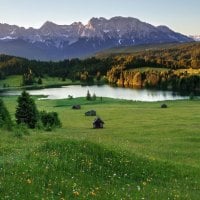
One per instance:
(144, 152)
(143, 48)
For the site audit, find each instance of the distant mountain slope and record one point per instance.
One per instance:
(195, 37)
(56, 42)
(147, 48)
(124, 50)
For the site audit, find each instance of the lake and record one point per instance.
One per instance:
(102, 91)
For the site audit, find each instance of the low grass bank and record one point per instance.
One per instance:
(15, 82)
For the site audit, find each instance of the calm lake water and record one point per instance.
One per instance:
(103, 91)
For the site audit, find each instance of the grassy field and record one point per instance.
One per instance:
(11, 81)
(144, 152)
(15, 81)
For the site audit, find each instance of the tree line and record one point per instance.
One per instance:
(166, 80)
(116, 69)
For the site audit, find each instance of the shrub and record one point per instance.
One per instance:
(163, 106)
(18, 133)
(70, 97)
(49, 120)
(40, 81)
(191, 96)
(20, 130)
(63, 78)
(28, 78)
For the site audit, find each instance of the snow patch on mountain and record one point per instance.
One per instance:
(7, 38)
(106, 31)
(195, 37)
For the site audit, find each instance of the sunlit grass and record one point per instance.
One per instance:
(144, 69)
(11, 81)
(84, 170)
(143, 152)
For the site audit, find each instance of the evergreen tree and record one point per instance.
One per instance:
(88, 96)
(94, 97)
(26, 111)
(5, 120)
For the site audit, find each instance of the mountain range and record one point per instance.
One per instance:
(57, 42)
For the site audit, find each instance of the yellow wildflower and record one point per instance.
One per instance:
(93, 193)
(29, 181)
(144, 183)
(76, 193)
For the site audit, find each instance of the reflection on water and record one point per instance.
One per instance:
(103, 91)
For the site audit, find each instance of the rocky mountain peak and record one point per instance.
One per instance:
(78, 39)
(77, 24)
(48, 26)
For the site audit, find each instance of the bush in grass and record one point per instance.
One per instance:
(5, 119)
(63, 78)
(40, 81)
(191, 96)
(164, 105)
(26, 111)
(50, 120)
(20, 130)
(28, 78)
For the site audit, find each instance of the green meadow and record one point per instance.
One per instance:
(143, 152)
(15, 82)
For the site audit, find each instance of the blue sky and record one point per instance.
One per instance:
(180, 15)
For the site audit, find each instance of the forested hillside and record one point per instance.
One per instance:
(169, 55)
(174, 67)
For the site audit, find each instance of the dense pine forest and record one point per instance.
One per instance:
(175, 67)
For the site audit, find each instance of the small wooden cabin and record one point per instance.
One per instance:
(76, 107)
(91, 113)
(98, 123)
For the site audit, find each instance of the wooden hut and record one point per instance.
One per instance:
(98, 123)
(76, 107)
(90, 113)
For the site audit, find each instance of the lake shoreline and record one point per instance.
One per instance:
(77, 90)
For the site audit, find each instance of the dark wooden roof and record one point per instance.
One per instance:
(98, 120)
(76, 107)
(91, 113)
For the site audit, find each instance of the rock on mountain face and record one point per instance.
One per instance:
(55, 42)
